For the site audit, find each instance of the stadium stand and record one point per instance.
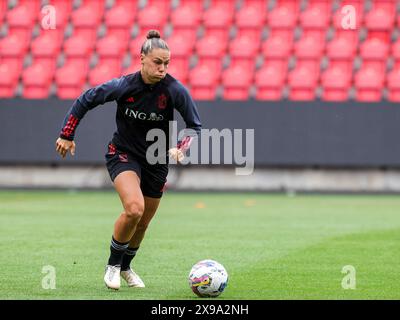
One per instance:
(247, 49)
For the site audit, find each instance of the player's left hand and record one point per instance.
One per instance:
(176, 154)
(63, 146)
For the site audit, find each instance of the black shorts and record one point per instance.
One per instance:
(152, 177)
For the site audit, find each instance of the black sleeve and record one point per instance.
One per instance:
(90, 99)
(187, 109)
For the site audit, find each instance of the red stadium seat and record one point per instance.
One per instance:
(179, 46)
(203, 81)
(243, 47)
(260, 5)
(380, 19)
(162, 5)
(178, 73)
(86, 17)
(12, 46)
(189, 34)
(152, 17)
(341, 48)
(243, 51)
(341, 52)
(111, 46)
(277, 47)
(227, 5)
(381, 35)
(250, 21)
(281, 64)
(250, 17)
(282, 17)
(70, 81)
(395, 52)
(122, 34)
(89, 34)
(220, 33)
(292, 5)
(179, 63)
(309, 48)
(185, 17)
(217, 17)
(14, 63)
(393, 83)
(369, 84)
(37, 80)
(317, 34)
(3, 9)
(20, 23)
(77, 47)
(211, 46)
(21, 17)
(323, 5)
(312, 65)
(237, 81)
(314, 17)
(48, 44)
(134, 67)
(78, 52)
(119, 17)
(33, 7)
(128, 4)
(196, 5)
(336, 83)
(269, 81)
(102, 73)
(215, 63)
(12, 52)
(302, 82)
(374, 48)
(8, 81)
(211, 50)
(374, 53)
(345, 65)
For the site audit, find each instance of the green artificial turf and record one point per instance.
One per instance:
(273, 246)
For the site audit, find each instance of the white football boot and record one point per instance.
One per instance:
(112, 277)
(132, 279)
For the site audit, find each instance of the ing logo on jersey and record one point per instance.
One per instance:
(143, 115)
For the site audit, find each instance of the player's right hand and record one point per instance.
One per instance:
(63, 146)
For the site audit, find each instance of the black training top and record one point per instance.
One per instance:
(140, 108)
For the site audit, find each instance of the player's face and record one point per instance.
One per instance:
(155, 65)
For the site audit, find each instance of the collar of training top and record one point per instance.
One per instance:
(147, 85)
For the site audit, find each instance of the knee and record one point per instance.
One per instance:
(134, 210)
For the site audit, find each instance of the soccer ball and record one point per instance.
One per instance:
(208, 278)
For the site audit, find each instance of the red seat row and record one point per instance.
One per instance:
(260, 57)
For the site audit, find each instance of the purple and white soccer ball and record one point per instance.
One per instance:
(208, 278)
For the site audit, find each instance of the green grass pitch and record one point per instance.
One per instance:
(273, 246)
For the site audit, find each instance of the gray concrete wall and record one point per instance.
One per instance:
(212, 179)
(286, 133)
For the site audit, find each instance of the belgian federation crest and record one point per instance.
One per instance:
(162, 101)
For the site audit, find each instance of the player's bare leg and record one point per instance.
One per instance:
(127, 185)
(151, 206)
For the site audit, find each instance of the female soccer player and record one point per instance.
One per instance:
(145, 100)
